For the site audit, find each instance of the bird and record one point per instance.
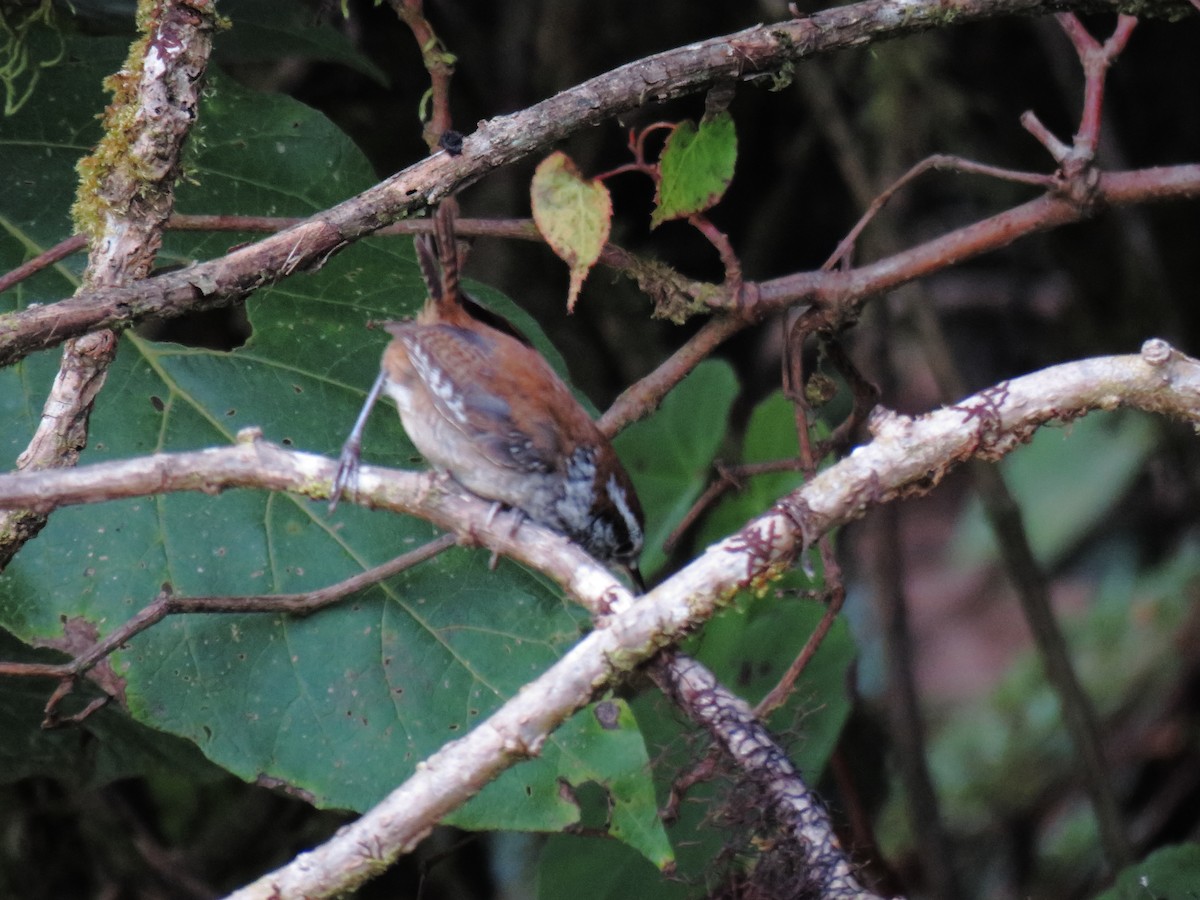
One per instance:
(481, 404)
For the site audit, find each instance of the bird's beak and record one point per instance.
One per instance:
(635, 575)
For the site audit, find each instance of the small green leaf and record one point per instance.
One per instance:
(574, 215)
(696, 168)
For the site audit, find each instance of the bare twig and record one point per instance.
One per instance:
(940, 163)
(728, 478)
(44, 260)
(836, 589)
(1096, 59)
(637, 399)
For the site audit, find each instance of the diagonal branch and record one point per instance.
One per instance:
(907, 456)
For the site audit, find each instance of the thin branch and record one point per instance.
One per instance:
(167, 604)
(779, 694)
(43, 260)
(728, 478)
(1096, 60)
(796, 388)
(840, 294)
(937, 163)
(639, 398)
(497, 142)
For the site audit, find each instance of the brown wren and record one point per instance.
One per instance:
(481, 404)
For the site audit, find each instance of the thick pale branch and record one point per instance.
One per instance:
(253, 463)
(907, 455)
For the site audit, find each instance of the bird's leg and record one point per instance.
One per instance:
(347, 472)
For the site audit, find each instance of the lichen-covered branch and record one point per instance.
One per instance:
(764, 766)
(906, 456)
(126, 194)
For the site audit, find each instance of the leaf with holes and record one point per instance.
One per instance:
(574, 215)
(342, 705)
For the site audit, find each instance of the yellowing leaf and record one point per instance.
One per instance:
(574, 215)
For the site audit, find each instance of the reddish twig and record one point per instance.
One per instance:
(438, 61)
(836, 590)
(729, 478)
(639, 398)
(637, 149)
(939, 162)
(864, 395)
(733, 283)
(1096, 58)
(1077, 177)
(43, 260)
(795, 389)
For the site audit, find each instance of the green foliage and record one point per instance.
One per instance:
(999, 755)
(341, 705)
(696, 168)
(265, 30)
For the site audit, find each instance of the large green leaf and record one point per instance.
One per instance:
(343, 704)
(266, 30)
(670, 455)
